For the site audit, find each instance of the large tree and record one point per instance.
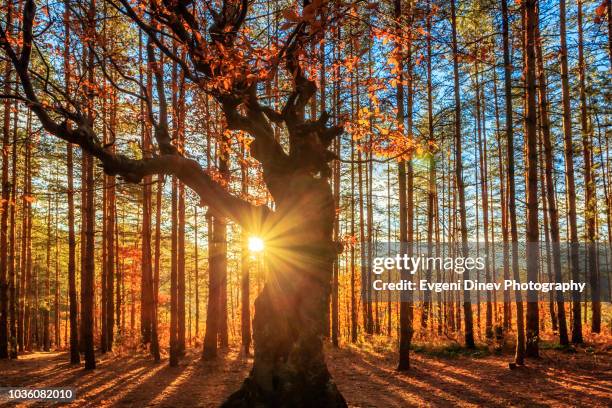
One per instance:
(218, 56)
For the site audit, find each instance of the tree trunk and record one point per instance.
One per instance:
(72, 292)
(589, 185)
(88, 272)
(12, 273)
(335, 318)
(431, 164)
(109, 239)
(47, 296)
(531, 152)
(551, 200)
(178, 103)
(569, 175)
(405, 219)
(174, 347)
(354, 322)
(467, 304)
(4, 213)
(504, 211)
(482, 154)
(209, 350)
(511, 192)
(156, 268)
(146, 285)
(245, 278)
(56, 311)
(289, 368)
(362, 243)
(197, 273)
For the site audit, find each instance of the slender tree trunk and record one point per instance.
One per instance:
(431, 164)
(220, 236)
(569, 175)
(504, 212)
(531, 142)
(72, 291)
(56, 311)
(119, 320)
(482, 154)
(146, 285)
(589, 184)
(362, 243)
(87, 274)
(109, 239)
(511, 192)
(354, 322)
(179, 115)
(12, 273)
(46, 340)
(156, 269)
(335, 319)
(405, 179)
(89, 211)
(174, 346)
(4, 207)
(551, 201)
(245, 278)
(212, 311)
(24, 313)
(197, 271)
(467, 304)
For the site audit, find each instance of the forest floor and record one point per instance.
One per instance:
(447, 376)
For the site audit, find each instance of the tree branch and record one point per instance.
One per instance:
(211, 193)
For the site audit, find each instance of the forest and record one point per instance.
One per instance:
(198, 198)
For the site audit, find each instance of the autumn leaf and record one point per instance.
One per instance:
(292, 15)
(601, 10)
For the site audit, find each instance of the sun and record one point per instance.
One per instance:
(256, 244)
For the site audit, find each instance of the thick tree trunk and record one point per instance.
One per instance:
(289, 369)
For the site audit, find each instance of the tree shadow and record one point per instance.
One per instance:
(461, 381)
(193, 383)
